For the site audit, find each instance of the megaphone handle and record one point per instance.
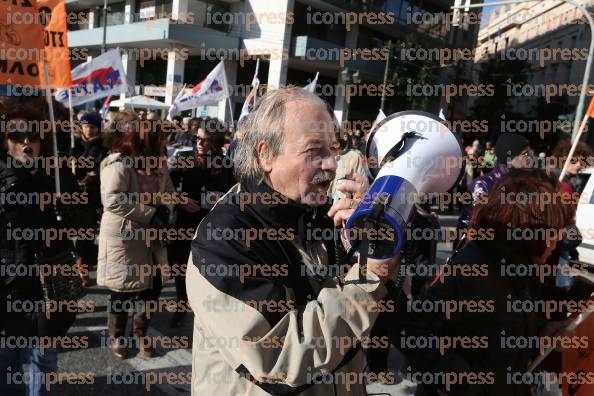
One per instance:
(363, 254)
(376, 211)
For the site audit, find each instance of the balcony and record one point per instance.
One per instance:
(323, 55)
(153, 33)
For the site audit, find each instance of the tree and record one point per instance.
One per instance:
(498, 76)
(405, 72)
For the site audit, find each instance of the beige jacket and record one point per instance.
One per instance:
(247, 339)
(125, 251)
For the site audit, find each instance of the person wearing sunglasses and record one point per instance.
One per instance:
(23, 181)
(204, 183)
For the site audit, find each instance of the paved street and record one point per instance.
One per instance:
(109, 372)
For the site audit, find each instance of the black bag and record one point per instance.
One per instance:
(57, 286)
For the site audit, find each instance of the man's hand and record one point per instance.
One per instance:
(354, 188)
(385, 269)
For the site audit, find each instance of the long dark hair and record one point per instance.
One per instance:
(35, 110)
(146, 141)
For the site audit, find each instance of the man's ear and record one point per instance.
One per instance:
(263, 157)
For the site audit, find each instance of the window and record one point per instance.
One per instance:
(216, 8)
(115, 14)
(152, 9)
(81, 22)
(403, 11)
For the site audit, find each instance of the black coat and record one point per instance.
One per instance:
(202, 184)
(90, 154)
(22, 253)
(486, 325)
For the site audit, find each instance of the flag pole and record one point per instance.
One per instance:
(48, 96)
(71, 130)
(231, 111)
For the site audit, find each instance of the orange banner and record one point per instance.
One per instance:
(590, 111)
(578, 363)
(52, 15)
(21, 44)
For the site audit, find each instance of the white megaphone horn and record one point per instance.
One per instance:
(409, 153)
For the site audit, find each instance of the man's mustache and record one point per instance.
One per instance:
(322, 177)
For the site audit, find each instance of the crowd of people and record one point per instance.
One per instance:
(109, 167)
(143, 180)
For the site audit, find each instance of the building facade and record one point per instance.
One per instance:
(554, 38)
(166, 43)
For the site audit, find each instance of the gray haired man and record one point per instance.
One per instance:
(270, 316)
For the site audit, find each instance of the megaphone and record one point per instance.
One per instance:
(409, 153)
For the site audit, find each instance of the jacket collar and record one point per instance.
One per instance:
(277, 210)
(93, 140)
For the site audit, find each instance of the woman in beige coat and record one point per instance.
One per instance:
(134, 179)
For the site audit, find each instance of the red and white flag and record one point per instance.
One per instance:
(173, 110)
(250, 101)
(100, 77)
(209, 91)
(105, 107)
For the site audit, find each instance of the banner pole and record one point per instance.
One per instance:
(71, 130)
(231, 111)
(48, 96)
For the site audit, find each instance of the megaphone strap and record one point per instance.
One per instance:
(395, 151)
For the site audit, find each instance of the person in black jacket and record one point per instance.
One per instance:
(262, 272)
(474, 310)
(203, 184)
(24, 180)
(89, 150)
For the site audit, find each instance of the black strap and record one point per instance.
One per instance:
(395, 151)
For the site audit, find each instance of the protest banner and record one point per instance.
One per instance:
(21, 45)
(52, 15)
(96, 79)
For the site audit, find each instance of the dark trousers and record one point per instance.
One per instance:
(121, 303)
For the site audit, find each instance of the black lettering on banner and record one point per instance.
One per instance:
(24, 3)
(54, 39)
(17, 67)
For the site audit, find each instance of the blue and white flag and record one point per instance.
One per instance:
(100, 77)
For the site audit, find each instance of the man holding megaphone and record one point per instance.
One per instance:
(271, 314)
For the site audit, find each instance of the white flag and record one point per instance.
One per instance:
(311, 87)
(96, 79)
(250, 101)
(380, 116)
(441, 114)
(209, 91)
(173, 110)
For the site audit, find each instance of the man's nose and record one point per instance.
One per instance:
(329, 163)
